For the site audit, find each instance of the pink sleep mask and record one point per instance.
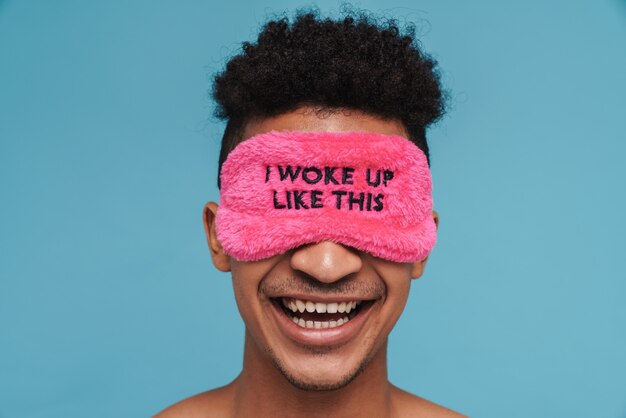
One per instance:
(280, 190)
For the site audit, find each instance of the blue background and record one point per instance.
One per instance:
(110, 306)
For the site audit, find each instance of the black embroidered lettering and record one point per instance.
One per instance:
(276, 204)
(318, 175)
(387, 176)
(369, 202)
(316, 200)
(346, 177)
(378, 199)
(288, 200)
(359, 200)
(288, 172)
(297, 200)
(267, 174)
(328, 175)
(339, 194)
(368, 178)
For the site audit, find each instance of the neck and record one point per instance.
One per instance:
(261, 390)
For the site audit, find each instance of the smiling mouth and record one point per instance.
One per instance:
(309, 314)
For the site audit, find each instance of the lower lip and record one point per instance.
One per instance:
(321, 336)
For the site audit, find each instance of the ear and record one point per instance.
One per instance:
(220, 260)
(417, 268)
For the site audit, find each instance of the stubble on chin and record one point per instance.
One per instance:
(305, 385)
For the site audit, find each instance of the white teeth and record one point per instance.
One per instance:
(300, 305)
(319, 324)
(296, 305)
(290, 304)
(320, 307)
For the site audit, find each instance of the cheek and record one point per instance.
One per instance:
(246, 278)
(397, 279)
(398, 283)
(244, 288)
(398, 296)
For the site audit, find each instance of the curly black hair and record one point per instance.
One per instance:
(354, 63)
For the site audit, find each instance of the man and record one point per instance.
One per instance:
(325, 215)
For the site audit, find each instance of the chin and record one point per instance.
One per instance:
(319, 384)
(320, 378)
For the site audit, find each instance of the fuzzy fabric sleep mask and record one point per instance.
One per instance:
(370, 191)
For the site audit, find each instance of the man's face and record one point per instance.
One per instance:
(351, 299)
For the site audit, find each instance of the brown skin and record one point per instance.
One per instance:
(357, 370)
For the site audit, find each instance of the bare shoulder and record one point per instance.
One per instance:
(408, 405)
(213, 403)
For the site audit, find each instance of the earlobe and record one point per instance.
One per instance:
(436, 219)
(417, 269)
(220, 259)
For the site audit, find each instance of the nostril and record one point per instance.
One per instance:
(326, 260)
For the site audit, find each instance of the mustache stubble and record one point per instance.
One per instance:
(277, 286)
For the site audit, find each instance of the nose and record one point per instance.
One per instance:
(326, 261)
